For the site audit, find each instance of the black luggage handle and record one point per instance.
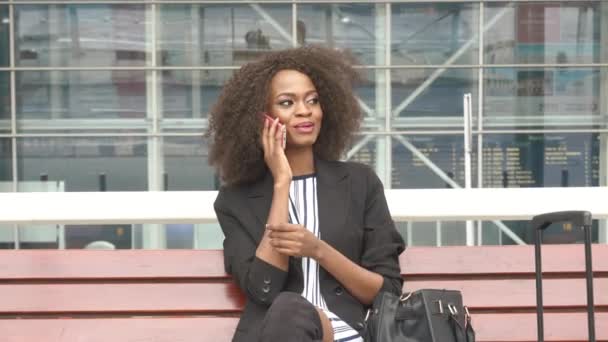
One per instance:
(578, 219)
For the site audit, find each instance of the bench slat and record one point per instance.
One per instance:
(519, 293)
(521, 327)
(499, 260)
(118, 264)
(489, 328)
(116, 298)
(188, 264)
(225, 297)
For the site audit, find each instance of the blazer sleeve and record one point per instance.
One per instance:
(260, 281)
(382, 244)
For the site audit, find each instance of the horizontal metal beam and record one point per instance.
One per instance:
(197, 206)
(274, 2)
(379, 66)
(190, 133)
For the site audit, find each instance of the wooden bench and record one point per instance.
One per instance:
(184, 295)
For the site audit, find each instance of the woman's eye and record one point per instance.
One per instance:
(285, 103)
(314, 100)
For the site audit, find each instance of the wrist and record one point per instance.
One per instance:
(282, 183)
(320, 251)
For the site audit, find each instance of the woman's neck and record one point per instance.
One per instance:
(301, 161)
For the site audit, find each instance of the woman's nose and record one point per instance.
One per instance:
(302, 109)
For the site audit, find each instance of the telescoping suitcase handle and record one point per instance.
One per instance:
(577, 219)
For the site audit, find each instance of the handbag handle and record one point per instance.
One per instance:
(461, 334)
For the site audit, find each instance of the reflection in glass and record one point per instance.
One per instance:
(98, 96)
(79, 35)
(191, 93)
(221, 34)
(541, 160)
(554, 234)
(109, 236)
(371, 91)
(5, 102)
(357, 28)
(6, 185)
(186, 167)
(434, 33)
(6, 170)
(411, 97)
(423, 234)
(544, 32)
(4, 36)
(85, 164)
(363, 150)
(437, 161)
(543, 97)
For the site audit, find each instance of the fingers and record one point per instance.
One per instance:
(290, 248)
(292, 236)
(284, 227)
(286, 244)
(278, 137)
(271, 134)
(265, 135)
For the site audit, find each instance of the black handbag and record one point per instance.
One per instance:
(427, 315)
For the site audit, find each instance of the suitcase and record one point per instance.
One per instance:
(578, 219)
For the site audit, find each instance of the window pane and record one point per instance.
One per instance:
(358, 28)
(4, 36)
(543, 98)
(85, 164)
(431, 98)
(6, 185)
(189, 94)
(433, 161)
(371, 92)
(80, 35)
(5, 103)
(186, 166)
(81, 100)
(6, 169)
(80, 164)
(541, 160)
(545, 32)
(434, 33)
(228, 34)
(364, 150)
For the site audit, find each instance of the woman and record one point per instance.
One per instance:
(308, 239)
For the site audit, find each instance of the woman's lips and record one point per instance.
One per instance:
(307, 127)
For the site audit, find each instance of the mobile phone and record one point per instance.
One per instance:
(283, 131)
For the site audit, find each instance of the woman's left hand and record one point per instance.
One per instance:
(294, 240)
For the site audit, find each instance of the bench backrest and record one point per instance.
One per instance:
(185, 295)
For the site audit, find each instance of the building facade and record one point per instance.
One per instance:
(114, 96)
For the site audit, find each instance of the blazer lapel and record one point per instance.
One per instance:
(333, 193)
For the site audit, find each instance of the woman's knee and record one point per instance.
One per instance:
(291, 316)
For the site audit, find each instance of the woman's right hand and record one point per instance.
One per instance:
(274, 155)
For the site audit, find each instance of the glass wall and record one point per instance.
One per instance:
(115, 96)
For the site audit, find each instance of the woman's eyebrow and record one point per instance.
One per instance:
(294, 95)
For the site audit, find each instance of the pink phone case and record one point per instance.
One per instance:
(283, 131)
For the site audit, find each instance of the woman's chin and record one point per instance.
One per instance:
(301, 144)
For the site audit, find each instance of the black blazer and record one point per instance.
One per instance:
(353, 218)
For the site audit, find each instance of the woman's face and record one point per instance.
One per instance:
(295, 101)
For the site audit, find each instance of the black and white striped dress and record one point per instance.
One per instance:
(303, 211)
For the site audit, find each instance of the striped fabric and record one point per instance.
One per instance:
(303, 211)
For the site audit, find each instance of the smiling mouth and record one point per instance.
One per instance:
(306, 127)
